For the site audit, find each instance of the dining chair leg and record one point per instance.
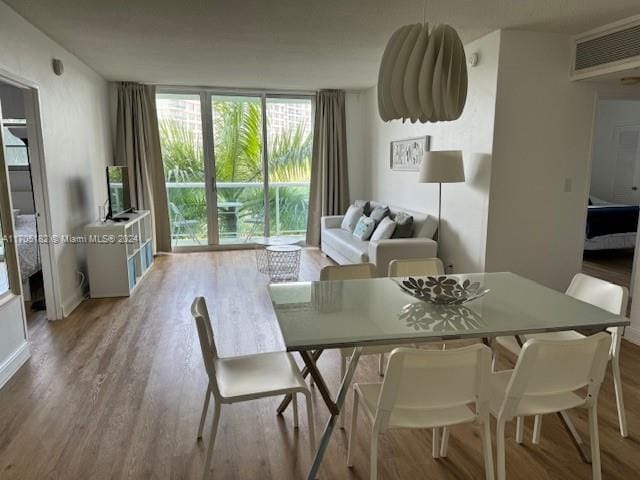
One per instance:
(500, 453)
(486, 450)
(381, 365)
(374, 455)
(212, 439)
(537, 430)
(435, 447)
(519, 430)
(494, 358)
(205, 407)
(354, 426)
(444, 443)
(595, 443)
(617, 384)
(311, 423)
(294, 400)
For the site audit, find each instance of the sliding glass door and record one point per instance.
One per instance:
(289, 144)
(239, 159)
(181, 139)
(237, 166)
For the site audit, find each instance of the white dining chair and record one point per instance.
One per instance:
(416, 267)
(607, 296)
(427, 389)
(545, 380)
(249, 377)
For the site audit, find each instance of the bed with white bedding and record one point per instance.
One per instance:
(610, 226)
(28, 251)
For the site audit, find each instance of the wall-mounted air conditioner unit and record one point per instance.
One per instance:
(607, 50)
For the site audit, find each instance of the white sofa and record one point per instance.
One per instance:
(345, 248)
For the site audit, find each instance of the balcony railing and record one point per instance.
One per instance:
(241, 212)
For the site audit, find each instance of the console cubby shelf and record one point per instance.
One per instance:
(119, 254)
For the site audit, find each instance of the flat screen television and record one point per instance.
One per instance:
(118, 186)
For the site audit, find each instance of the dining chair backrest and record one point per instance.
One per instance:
(431, 379)
(207, 341)
(552, 367)
(416, 267)
(606, 295)
(348, 272)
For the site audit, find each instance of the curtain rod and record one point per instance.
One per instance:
(199, 88)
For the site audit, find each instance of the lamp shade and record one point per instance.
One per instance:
(442, 167)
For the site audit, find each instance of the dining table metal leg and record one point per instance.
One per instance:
(305, 372)
(575, 436)
(333, 406)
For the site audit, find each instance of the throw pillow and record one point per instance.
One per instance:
(404, 226)
(384, 230)
(351, 218)
(364, 228)
(365, 205)
(379, 213)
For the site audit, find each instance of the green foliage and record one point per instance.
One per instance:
(238, 158)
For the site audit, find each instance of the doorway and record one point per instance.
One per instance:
(237, 165)
(614, 198)
(29, 198)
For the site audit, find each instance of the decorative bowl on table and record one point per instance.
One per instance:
(442, 290)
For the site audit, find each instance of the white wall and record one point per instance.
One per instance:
(540, 172)
(610, 114)
(12, 101)
(464, 206)
(77, 144)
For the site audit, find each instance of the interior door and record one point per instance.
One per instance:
(626, 148)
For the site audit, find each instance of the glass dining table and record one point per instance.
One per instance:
(317, 316)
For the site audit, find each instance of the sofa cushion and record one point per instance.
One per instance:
(404, 225)
(352, 248)
(424, 225)
(365, 205)
(378, 213)
(351, 218)
(364, 228)
(384, 230)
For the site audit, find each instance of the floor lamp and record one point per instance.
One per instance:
(441, 167)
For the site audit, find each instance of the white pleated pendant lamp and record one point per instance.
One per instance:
(423, 75)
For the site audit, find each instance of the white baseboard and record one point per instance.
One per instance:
(14, 362)
(70, 304)
(632, 335)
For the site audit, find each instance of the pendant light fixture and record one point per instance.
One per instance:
(423, 75)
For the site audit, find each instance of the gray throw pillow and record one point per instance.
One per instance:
(404, 226)
(365, 205)
(379, 213)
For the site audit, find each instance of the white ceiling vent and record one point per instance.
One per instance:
(606, 50)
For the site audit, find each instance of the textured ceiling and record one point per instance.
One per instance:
(300, 44)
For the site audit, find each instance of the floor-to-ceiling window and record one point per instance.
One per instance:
(237, 166)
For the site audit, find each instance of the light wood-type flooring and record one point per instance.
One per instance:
(115, 391)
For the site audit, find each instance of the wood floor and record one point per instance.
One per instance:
(614, 266)
(115, 391)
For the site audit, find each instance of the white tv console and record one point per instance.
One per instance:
(119, 254)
